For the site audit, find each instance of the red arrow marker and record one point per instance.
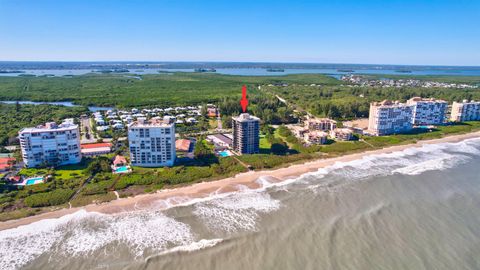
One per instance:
(244, 100)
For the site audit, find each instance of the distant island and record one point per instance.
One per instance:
(345, 70)
(11, 71)
(403, 71)
(275, 70)
(205, 70)
(119, 70)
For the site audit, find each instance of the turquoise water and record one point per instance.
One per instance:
(224, 154)
(34, 181)
(121, 169)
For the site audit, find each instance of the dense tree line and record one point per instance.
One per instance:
(15, 117)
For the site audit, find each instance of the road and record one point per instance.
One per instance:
(88, 136)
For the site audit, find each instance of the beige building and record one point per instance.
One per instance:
(388, 117)
(246, 134)
(465, 111)
(315, 137)
(321, 124)
(342, 134)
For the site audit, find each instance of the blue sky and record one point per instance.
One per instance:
(377, 32)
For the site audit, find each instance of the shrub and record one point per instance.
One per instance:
(56, 197)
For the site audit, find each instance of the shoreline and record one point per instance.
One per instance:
(226, 185)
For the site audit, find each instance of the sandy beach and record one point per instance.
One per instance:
(201, 190)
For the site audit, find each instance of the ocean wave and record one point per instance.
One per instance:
(82, 233)
(238, 211)
(194, 246)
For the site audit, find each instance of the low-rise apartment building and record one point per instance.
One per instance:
(316, 137)
(428, 111)
(320, 124)
(342, 134)
(465, 111)
(152, 143)
(50, 145)
(388, 117)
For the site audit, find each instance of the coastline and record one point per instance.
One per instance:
(226, 185)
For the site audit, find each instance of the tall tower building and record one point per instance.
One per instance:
(152, 143)
(246, 134)
(50, 145)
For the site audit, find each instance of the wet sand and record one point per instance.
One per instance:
(205, 189)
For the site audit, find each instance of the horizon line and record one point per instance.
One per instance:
(214, 61)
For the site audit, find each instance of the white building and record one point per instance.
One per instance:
(52, 145)
(389, 117)
(428, 111)
(152, 143)
(465, 111)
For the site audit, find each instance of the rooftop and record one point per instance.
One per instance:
(95, 145)
(154, 122)
(416, 99)
(182, 145)
(245, 117)
(389, 103)
(50, 126)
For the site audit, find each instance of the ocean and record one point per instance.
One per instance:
(414, 209)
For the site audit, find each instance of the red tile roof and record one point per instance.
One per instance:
(4, 166)
(95, 145)
(6, 160)
(182, 145)
(119, 160)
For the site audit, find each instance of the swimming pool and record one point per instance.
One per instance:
(33, 181)
(122, 169)
(225, 153)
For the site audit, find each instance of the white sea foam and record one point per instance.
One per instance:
(238, 211)
(194, 246)
(82, 233)
(414, 160)
(138, 230)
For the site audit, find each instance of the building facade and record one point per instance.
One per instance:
(321, 124)
(389, 117)
(246, 134)
(428, 111)
(152, 143)
(342, 134)
(315, 137)
(50, 145)
(465, 111)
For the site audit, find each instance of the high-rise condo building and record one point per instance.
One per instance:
(246, 134)
(152, 143)
(389, 117)
(50, 145)
(428, 111)
(465, 111)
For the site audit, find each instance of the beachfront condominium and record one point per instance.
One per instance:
(50, 145)
(389, 117)
(152, 143)
(465, 111)
(322, 124)
(428, 111)
(246, 136)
